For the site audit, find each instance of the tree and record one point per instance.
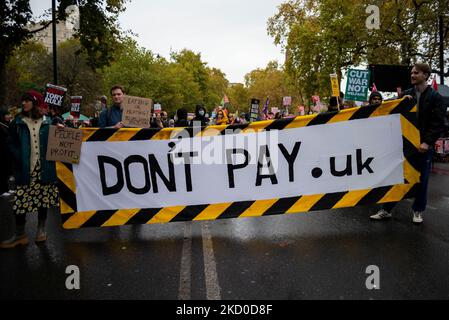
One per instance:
(271, 82)
(98, 32)
(239, 97)
(322, 37)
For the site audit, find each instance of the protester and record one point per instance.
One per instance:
(112, 117)
(181, 118)
(222, 118)
(5, 159)
(164, 118)
(430, 113)
(156, 121)
(333, 104)
(200, 117)
(56, 118)
(35, 177)
(375, 99)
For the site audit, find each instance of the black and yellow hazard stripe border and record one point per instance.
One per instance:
(72, 219)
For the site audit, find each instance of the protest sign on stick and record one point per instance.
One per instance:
(75, 106)
(335, 85)
(54, 95)
(136, 112)
(254, 112)
(64, 144)
(357, 85)
(157, 108)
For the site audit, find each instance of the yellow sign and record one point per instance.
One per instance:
(335, 85)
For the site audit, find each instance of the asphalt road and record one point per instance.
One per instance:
(319, 255)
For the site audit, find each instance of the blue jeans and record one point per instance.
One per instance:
(420, 203)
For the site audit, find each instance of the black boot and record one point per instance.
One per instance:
(19, 238)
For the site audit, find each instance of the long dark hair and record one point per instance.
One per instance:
(35, 112)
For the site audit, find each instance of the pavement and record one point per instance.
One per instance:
(318, 255)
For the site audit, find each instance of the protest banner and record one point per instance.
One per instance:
(320, 162)
(64, 144)
(136, 112)
(335, 85)
(54, 95)
(357, 85)
(254, 111)
(75, 106)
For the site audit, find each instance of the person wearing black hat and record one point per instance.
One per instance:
(181, 118)
(200, 117)
(375, 99)
(35, 177)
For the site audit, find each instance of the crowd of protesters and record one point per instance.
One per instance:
(23, 145)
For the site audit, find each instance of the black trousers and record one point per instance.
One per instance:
(41, 216)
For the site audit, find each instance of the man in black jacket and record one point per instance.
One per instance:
(430, 113)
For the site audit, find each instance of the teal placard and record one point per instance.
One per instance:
(357, 85)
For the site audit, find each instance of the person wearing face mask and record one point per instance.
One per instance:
(35, 177)
(200, 117)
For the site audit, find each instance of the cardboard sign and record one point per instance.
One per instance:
(54, 95)
(287, 101)
(75, 106)
(64, 144)
(335, 85)
(358, 85)
(254, 112)
(157, 108)
(136, 112)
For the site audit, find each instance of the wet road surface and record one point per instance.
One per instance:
(319, 255)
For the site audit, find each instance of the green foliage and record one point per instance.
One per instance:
(185, 81)
(271, 82)
(327, 36)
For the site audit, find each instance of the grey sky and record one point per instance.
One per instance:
(230, 34)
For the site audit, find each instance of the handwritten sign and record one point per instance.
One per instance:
(136, 112)
(64, 144)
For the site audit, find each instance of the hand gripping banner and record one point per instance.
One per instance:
(356, 157)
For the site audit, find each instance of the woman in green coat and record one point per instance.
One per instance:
(35, 177)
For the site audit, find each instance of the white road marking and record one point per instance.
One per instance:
(186, 264)
(210, 266)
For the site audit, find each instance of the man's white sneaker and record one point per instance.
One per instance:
(417, 217)
(381, 214)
